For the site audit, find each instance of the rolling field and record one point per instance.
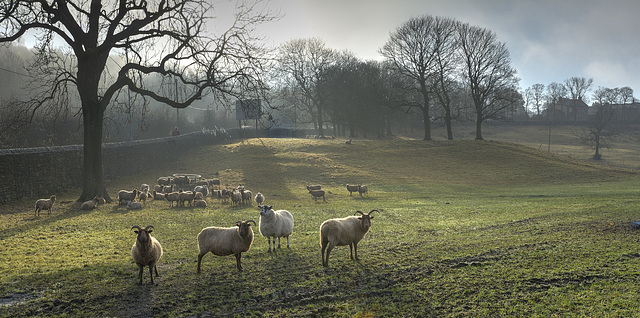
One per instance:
(467, 228)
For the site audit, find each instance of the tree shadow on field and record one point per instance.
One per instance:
(45, 219)
(265, 168)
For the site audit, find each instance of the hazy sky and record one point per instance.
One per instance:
(549, 40)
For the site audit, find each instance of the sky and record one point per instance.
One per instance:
(549, 40)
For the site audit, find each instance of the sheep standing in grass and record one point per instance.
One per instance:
(224, 241)
(317, 193)
(172, 197)
(246, 196)
(144, 194)
(275, 224)
(352, 188)
(236, 197)
(363, 189)
(124, 196)
(45, 204)
(202, 189)
(146, 251)
(259, 199)
(344, 231)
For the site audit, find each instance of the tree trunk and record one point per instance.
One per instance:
(479, 126)
(447, 122)
(90, 66)
(427, 124)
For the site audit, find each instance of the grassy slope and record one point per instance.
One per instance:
(468, 228)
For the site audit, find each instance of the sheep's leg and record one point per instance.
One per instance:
(151, 273)
(238, 264)
(287, 241)
(140, 269)
(269, 242)
(329, 248)
(324, 247)
(355, 250)
(156, 269)
(274, 242)
(351, 251)
(199, 260)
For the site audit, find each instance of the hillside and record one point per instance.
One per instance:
(465, 228)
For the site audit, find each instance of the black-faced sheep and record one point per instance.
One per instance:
(146, 251)
(344, 231)
(275, 224)
(124, 196)
(224, 241)
(317, 193)
(259, 199)
(352, 188)
(45, 204)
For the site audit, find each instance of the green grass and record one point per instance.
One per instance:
(468, 229)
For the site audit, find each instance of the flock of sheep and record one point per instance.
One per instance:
(225, 241)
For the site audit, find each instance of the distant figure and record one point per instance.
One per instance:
(175, 132)
(348, 142)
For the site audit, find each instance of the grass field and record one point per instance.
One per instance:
(468, 228)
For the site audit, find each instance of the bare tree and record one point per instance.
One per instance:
(599, 134)
(577, 88)
(412, 50)
(166, 39)
(555, 92)
(487, 72)
(444, 81)
(303, 65)
(536, 96)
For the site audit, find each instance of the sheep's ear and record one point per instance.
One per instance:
(371, 217)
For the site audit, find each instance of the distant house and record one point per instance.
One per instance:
(567, 109)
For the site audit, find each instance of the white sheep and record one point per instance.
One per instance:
(224, 241)
(146, 251)
(45, 204)
(363, 189)
(246, 196)
(90, 205)
(275, 224)
(352, 188)
(236, 197)
(124, 196)
(172, 197)
(344, 231)
(186, 196)
(134, 205)
(158, 196)
(259, 199)
(202, 189)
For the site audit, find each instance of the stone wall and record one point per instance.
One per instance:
(42, 171)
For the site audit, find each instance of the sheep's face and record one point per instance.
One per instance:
(265, 210)
(365, 221)
(244, 227)
(143, 234)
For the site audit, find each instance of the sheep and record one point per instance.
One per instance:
(223, 241)
(125, 195)
(144, 187)
(144, 194)
(348, 142)
(246, 196)
(317, 193)
(202, 189)
(198, 196)
(90, 205)
(200, 203)
(146, 251)
(186, 196)
(353, 188)
(172, 197)
(363, 189)
(158, 196)
(259, 199)
(134, 205)
(314, 187)
(275, 224)
(45, 204)
(344, 231)
(165, 181)
(236, 197)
